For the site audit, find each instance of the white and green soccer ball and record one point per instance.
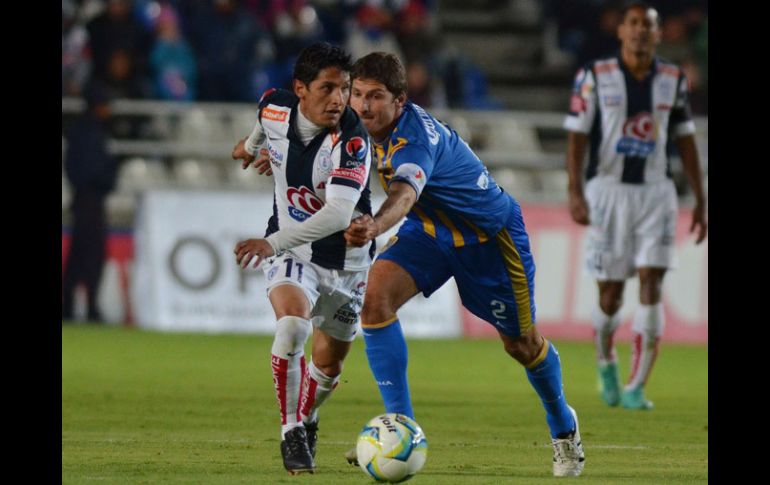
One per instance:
(391, 448)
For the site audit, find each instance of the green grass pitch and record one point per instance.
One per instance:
(144, 407)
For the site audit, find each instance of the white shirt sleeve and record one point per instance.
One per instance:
(334, 216)
(255, 139)
(582, 106)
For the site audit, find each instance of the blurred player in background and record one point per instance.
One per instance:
(92, 171)
(459, 224)
(320, 158)
(627, 105)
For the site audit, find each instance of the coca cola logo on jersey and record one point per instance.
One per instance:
(641, 126)
(302, 203)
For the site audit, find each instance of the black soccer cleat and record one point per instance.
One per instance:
(312, 436)
(296, 455)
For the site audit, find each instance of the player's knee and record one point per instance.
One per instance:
(610, 303)
(650, 285)
(291, 333)
(377, 309)
(523, 349)
(650, 292)
(329, 369)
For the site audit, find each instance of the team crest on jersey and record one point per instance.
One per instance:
(324, 166)
(303, 203)
(356, 148)
(639, 134)
(272, 272)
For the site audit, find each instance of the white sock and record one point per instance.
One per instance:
(604, 329)
(316, 389)
(648, 327)
(288, 363)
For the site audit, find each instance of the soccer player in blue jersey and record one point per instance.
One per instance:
(459, 224)
(623, 107)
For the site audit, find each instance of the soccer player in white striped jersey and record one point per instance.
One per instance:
(319, 156)
(624, 107)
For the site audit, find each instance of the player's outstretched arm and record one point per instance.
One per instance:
(689, 154)
(401, 198)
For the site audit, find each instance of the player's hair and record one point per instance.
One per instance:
(382, 67)
(319, 56)
(636, 4)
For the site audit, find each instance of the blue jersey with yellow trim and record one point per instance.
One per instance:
(458, 200)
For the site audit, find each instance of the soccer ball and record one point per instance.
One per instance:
(391, 448)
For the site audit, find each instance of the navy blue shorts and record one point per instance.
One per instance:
(495, 279)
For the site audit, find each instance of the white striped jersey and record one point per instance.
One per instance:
(628, 121)
(337, 161)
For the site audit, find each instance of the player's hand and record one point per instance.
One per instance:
(240, 153)
(578, 208)
(250, 248)
(261, 163)
(361, 230)
(699, 222)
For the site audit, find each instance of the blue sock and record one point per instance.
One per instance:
(387, 354)
(545, 377)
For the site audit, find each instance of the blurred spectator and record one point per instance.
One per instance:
(91, 171)
(602, 40)
(172, 62)
(75, 53)
(227, 41)
(334, 15)
(573, 19)
(415, 34)
(700, 95)
(371, 32)
(674, 45)
(466, 85)
(115, 29)
(294, 27)
(423, 89)
(121, 81)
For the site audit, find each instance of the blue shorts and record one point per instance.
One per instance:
(495, 279)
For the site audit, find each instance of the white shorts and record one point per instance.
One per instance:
(335, 295)
(632, 226)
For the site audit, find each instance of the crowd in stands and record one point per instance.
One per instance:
(233, 50)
